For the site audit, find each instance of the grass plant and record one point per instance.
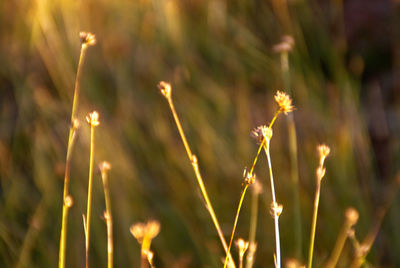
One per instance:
(104, 168)
(93, 120)
(144, 234)
(165, 89)
(351, 219)
(87, 40)
(323, 151)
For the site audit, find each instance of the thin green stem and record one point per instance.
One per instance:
(275, 204)
(203, 190)
(90, 192)
(314, 223)
(71, 138)
(108, 218)
(235, 222)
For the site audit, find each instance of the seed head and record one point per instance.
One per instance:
(250, 178)
(323, 151)
(87, 39)
(138, 231)
(69, 201)
(152, 229)
(147, 230)
(284, 102)
(262, 132)
(276, 209)
(165, 89)
(93, 119)
(352, 216)
(104, 166)
(286, 44)
(242, 247)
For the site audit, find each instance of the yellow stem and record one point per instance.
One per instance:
(71, 138)
(89, 200)
(109, 222)
(235, 223)
(314, 222)
(199, 179)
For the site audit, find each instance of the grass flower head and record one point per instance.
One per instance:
(284, 102)
(87, 39)
(165, 89)
(93, 119)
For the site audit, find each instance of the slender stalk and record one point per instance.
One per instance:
(144, 263)
(241, 262)
(245, 188)
(337, 250)
(314, 223)
(71, 139)
(275, 206)
(235, 224)
(92, 119)
(108, 214)
(195, 165)
(89, 200)
(320, 173)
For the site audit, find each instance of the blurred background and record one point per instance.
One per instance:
(219, 57)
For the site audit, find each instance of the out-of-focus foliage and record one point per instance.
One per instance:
(218, 56)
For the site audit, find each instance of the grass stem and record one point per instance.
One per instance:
(104, 168)
(314, 223)
(92, 119)
(71, 139)
(200, 182)
(235, 222)
(275, 206)
(320, 173)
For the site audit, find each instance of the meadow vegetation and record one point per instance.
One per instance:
(192, 134)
